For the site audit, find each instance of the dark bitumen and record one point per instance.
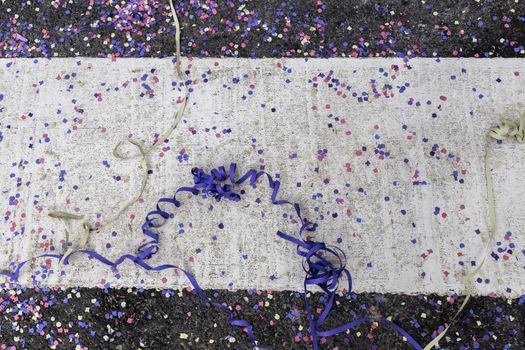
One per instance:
(273, 28)
(171, 319)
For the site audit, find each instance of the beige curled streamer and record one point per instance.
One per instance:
(142, 155)
(177, 38)
(508, 129)
(63, 216)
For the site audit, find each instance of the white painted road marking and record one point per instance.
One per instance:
(395, 237)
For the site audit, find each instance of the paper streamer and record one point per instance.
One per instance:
(142, 154)
(317, 256)
(508, 129)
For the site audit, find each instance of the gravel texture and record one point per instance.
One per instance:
(172, 319)
(274, 28)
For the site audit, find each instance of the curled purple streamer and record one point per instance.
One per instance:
(319, 268)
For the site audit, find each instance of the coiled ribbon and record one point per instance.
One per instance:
(324, 265)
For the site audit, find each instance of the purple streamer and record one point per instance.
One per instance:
(319, 270)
